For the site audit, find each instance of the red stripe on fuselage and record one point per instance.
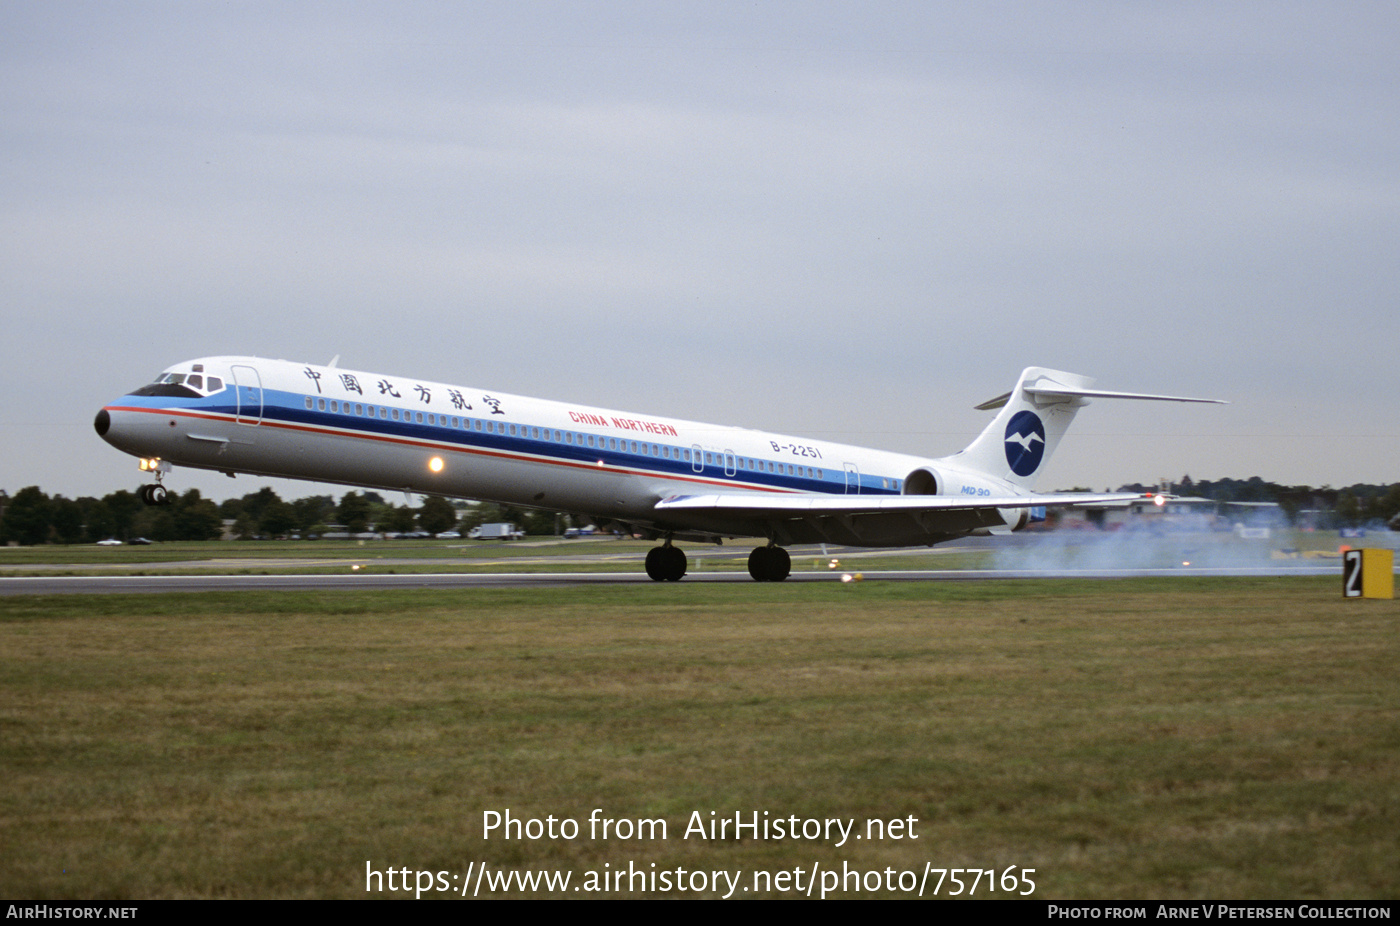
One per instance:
(438, 445)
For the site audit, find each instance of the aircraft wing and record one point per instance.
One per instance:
(796, 505)
(870, 520)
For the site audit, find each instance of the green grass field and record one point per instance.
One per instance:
(1204, 738)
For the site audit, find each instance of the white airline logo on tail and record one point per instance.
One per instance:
(1025, 443)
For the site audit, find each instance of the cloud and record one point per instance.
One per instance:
(847, 220)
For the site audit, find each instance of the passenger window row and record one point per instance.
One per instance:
(574, 438)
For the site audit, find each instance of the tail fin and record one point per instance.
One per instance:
(1034, 416)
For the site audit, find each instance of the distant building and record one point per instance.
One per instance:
(1179, 514)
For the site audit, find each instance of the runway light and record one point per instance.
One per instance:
(435, 464)
(834, 564)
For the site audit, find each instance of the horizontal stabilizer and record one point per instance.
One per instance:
(1046, 388)
(1061, 392)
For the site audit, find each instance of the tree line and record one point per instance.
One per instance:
(1352, 506)
(31, 516)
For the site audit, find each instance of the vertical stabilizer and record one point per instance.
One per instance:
(1034, 416)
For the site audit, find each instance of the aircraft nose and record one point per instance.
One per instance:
(102, 423)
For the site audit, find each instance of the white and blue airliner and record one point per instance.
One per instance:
(663, 478)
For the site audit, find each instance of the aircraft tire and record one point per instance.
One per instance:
(781, 565)
(675, 564)
(656, 570)
(665, 564)
(769, 564)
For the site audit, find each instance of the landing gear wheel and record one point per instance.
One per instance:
(758, 564)
(665, 564)
(155, 495)
(675, 563)
(782, 565)
(769, 564)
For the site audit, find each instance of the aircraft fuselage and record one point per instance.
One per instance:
(302, 421)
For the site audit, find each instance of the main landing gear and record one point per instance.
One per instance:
(766, 564)
(666, 563)
(769, 564)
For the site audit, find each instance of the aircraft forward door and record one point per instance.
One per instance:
(248, 389)
(852, 479)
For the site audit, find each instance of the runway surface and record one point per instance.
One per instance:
(108, 584)
(562, 564)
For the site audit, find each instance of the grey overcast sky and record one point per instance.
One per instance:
(842, 220)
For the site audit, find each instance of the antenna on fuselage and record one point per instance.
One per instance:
(334, 361)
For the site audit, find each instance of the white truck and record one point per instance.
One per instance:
(500, 531)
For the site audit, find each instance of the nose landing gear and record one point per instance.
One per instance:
(155, 493)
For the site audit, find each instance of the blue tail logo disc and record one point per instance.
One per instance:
(1025, 443)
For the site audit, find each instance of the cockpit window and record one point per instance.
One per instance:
(188, 385)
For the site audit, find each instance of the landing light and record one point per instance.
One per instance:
(436, 464)
(151, 465)
(1159, 500)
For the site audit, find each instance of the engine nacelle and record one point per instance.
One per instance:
(1016, 518)
(928, 481)
(924, 481)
